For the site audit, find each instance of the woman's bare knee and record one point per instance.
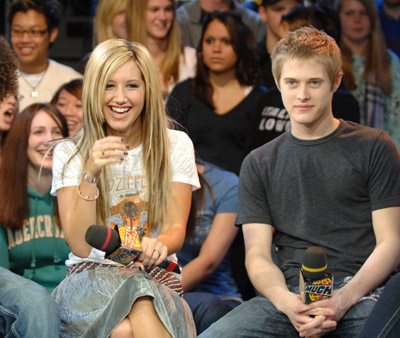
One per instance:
(123, 330)
(145, 321)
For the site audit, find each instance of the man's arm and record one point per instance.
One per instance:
(268, 279)
(382, 261)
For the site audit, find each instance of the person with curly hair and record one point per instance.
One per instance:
(8, 70)
(23, 303)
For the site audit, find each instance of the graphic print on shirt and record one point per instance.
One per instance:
(273, 118)
(42, 226)
(129, 206)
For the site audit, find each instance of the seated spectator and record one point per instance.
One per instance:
(153, 24)
(191, 16)
(31, 241)
(23, 303)
(271, 12)
(371, 71)
(8, 110)
(207, 281)
(109, 21)
(68, 100)
(274, 119)
(389, 14)
(33, 27)
(215, 106)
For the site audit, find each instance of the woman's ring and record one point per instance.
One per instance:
(102, 154)
(159, 253)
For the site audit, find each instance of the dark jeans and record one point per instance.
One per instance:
(26, 308)
(384, 320)
(207, 308)
(258, 318)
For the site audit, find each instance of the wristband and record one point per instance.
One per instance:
(88, 178)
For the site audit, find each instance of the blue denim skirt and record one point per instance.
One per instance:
(93, 302)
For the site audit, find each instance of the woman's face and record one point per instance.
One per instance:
(71, 107)
(159, 18)
(355, 21)
(118, 25)
(8, 109)
(218, 53)
(124, 101)
(43, 129)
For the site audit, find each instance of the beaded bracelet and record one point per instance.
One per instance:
(88, 178)
(85, 197)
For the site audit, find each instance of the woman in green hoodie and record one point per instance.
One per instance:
(31, 241)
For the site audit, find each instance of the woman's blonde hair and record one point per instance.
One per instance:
(105, 59)
(377, 56)
(136, 31)
(105, 13)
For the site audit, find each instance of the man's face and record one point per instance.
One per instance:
(306, 92)
(30, 38)
(272, 15)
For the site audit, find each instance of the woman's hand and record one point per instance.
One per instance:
(111, 149)
(153, 252)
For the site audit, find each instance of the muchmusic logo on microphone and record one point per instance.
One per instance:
(318, 289)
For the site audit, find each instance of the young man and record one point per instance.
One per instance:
(327, 183)
(271, 11)
(26, 308)
(33, 27)
(389, 13)
(190, 18)
(271, 119)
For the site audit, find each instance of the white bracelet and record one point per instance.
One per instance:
(85, 197)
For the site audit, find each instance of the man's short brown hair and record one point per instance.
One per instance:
(307, 43)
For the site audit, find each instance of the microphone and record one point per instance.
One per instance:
(315, 284)
(121, 245)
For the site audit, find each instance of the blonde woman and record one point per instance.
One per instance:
(110, 20)
(127, 168)
(371, 71)
(153, 23)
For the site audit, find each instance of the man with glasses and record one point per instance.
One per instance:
(33, 28)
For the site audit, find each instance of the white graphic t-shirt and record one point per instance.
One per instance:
(127, 184)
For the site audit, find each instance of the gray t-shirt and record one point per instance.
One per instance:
(321, 193)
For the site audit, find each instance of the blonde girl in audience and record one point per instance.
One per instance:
(126, 168)
(371, 71)
(109, 20)
(153, 23)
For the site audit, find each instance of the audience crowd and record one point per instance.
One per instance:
(230, 135)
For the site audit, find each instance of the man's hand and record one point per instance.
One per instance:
(339, 303)
(308, 320)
